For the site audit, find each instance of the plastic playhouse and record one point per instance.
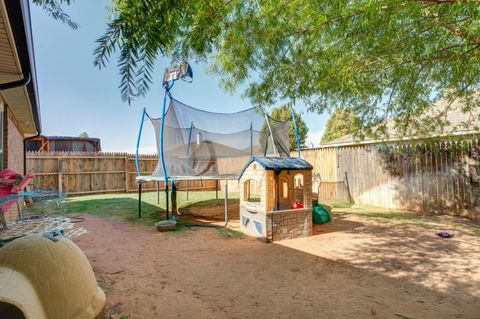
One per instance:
(276, 198)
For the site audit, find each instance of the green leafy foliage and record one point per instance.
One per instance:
(55, 10)
(386, 59)
(83, 135)
(341, 122)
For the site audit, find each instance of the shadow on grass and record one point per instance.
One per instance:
(386, 215)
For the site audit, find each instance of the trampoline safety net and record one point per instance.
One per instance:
(198, 143)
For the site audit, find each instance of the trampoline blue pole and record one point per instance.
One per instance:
(296, 131)
(137, 162)
(168, 86)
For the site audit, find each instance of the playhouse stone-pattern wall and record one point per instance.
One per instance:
(289, 224)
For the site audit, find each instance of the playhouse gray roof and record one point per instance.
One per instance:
(282, 163)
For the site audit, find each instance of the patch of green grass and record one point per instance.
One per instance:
(121, 206)
(228, 233)
(125, 206)
(336, 204)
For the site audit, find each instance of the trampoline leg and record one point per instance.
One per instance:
(216, 189)
(166, 202)
(140, 200)
(226, 202)
(158, 192)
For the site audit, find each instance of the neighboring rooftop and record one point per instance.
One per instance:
(456, 126)
(63, 144)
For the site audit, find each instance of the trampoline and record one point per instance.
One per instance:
(194, 144)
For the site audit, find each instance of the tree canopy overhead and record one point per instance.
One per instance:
(55, 10)
(386, 59)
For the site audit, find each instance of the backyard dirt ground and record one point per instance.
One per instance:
(350, 268)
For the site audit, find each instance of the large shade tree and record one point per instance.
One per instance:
(386, 59)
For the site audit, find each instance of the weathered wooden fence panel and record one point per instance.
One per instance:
(77, 173)
(441, 177)
(325, 181)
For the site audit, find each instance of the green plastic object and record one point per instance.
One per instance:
(320, 214)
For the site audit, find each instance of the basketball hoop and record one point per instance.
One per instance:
(178, 71)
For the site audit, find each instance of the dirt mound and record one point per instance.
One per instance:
(211, 211)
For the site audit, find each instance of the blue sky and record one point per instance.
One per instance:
(76, 97)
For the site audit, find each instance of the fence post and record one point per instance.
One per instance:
(350, 199)
(126, 172)
(60, 175)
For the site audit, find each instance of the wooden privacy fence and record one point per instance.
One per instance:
(441, 177)
(77, 173)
